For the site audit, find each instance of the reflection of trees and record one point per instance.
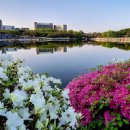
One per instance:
(60, 44)
(124, 46)
(54, 45)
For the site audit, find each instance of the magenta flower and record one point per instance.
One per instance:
(101, 92)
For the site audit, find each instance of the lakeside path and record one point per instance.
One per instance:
(37, 39)
(123, 40)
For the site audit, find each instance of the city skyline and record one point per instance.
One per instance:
(37, 25)
(86, 15)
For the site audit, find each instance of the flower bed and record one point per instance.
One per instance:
(31, 101)
(103, 97)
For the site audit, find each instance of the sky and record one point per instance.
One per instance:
(86, 15)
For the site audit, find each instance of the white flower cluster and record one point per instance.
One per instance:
(117, 60)
(33, 101)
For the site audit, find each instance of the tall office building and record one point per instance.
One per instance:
(50, 26)
(43, 25)
(0, 24)
(65, 27)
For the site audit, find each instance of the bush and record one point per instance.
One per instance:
(103, 97)
(32, 101)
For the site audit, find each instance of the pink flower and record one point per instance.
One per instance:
(110, 84)
(108, 117)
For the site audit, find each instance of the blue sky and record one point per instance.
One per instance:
(86, 15)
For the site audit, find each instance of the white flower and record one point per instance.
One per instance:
(30, 84)
(24, 113)
(17, 97)
(26, 85)
(2, 74)
(68, 128)
(117, 60)
(52, 98)
(43, 77)
(55, 81)
(65, 93)
(46, 86)
(38, 91)
(43, 116)
(57, 89)
(79, 116)
(38, 102)
(34, 96)
(69, 116)
(2, 109)
(53, 111)
(6, 94)
(37, 86)
(13, 120)
(22, 127)
(23, 74)
(24, 70)
(39, 125)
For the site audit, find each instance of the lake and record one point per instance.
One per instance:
(67, 60)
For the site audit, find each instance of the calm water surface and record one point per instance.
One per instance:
(66, 61)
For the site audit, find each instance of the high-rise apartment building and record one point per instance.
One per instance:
(65, 27)
(60, 27)
(0, 24)
(43, 25)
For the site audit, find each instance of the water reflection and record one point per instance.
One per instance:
(4, 50)
(44, 48)
(51, 50)
(123, 46)
(57, 47)
(66, 60)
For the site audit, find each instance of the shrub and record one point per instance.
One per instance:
(32, 101)
(103, 97)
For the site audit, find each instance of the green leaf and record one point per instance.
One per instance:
(128, 87)
(118, 117)
(120, 123)
(126, 121)
(101, 106)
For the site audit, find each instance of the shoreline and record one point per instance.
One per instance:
(122, 40)
(39, 39)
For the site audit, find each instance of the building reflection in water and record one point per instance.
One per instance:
(38, 50)
(51, 50)
(4, 50)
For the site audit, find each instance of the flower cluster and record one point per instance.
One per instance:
(32, 101)
(103, 96)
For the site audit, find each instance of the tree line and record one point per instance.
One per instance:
(44, 33)
(111, 34)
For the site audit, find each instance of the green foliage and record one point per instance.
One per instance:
(111, 34)
(45, 33)
(120, 33)
(125, 46)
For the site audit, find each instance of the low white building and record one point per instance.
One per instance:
(7, 27)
